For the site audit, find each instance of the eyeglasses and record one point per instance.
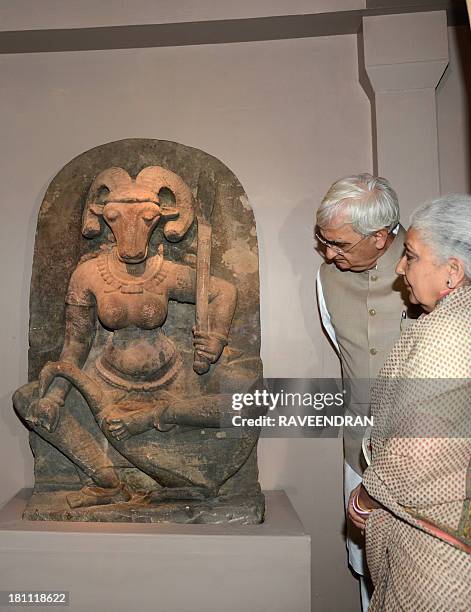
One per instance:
(336, 248)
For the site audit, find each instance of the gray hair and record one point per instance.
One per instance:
(368, 202)
(446, 222)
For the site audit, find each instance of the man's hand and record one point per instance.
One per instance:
(45, 413)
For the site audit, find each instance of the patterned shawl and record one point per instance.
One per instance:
(421, 448)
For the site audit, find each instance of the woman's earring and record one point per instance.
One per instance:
(448, 284)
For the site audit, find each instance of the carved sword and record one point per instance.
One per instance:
(203, 267)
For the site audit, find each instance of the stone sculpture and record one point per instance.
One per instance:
(154, 299)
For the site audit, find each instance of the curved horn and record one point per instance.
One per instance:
(154, 178)
(112, 178)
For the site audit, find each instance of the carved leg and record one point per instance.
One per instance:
(79, 445)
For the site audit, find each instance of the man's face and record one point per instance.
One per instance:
(359, 252)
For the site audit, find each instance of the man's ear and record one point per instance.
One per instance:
(456, 271)
(380, 238)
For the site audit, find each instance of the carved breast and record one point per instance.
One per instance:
(145, 310)
(124, 301)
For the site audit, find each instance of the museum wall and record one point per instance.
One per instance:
(31, 14)
(454, 115)
(288, 117)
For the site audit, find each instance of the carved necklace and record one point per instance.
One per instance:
(118, 280)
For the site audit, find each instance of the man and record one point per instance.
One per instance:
(363, 305)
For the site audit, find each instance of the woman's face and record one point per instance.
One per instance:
(424, 276)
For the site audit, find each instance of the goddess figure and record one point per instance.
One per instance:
(147, 410)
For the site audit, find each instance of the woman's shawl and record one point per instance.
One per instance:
(421, 439)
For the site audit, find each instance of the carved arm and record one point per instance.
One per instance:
(79, 335)
(222, 300)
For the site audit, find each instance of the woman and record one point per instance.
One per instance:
(414, 503)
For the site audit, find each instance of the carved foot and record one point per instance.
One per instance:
(97, 496)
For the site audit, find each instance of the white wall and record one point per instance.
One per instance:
(288, 117)
(49, 14)
(453, 115)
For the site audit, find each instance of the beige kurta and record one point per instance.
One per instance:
(366, 311)
(420, 470)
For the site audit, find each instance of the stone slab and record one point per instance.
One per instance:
(239, 509)
(172, 567)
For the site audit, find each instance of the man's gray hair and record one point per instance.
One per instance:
(368, 202)
(446, 223)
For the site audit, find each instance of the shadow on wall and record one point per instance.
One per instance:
(364, 81)
(463, 42)
(296, 239)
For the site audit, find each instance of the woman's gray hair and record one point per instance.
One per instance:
(368, 202)
(446, 223)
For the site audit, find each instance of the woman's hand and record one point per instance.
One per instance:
(360, 506)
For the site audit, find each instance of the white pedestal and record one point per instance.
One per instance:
(160, 567)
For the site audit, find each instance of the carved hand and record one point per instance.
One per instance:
(208, 346)
(45, 413)
(122, 424)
